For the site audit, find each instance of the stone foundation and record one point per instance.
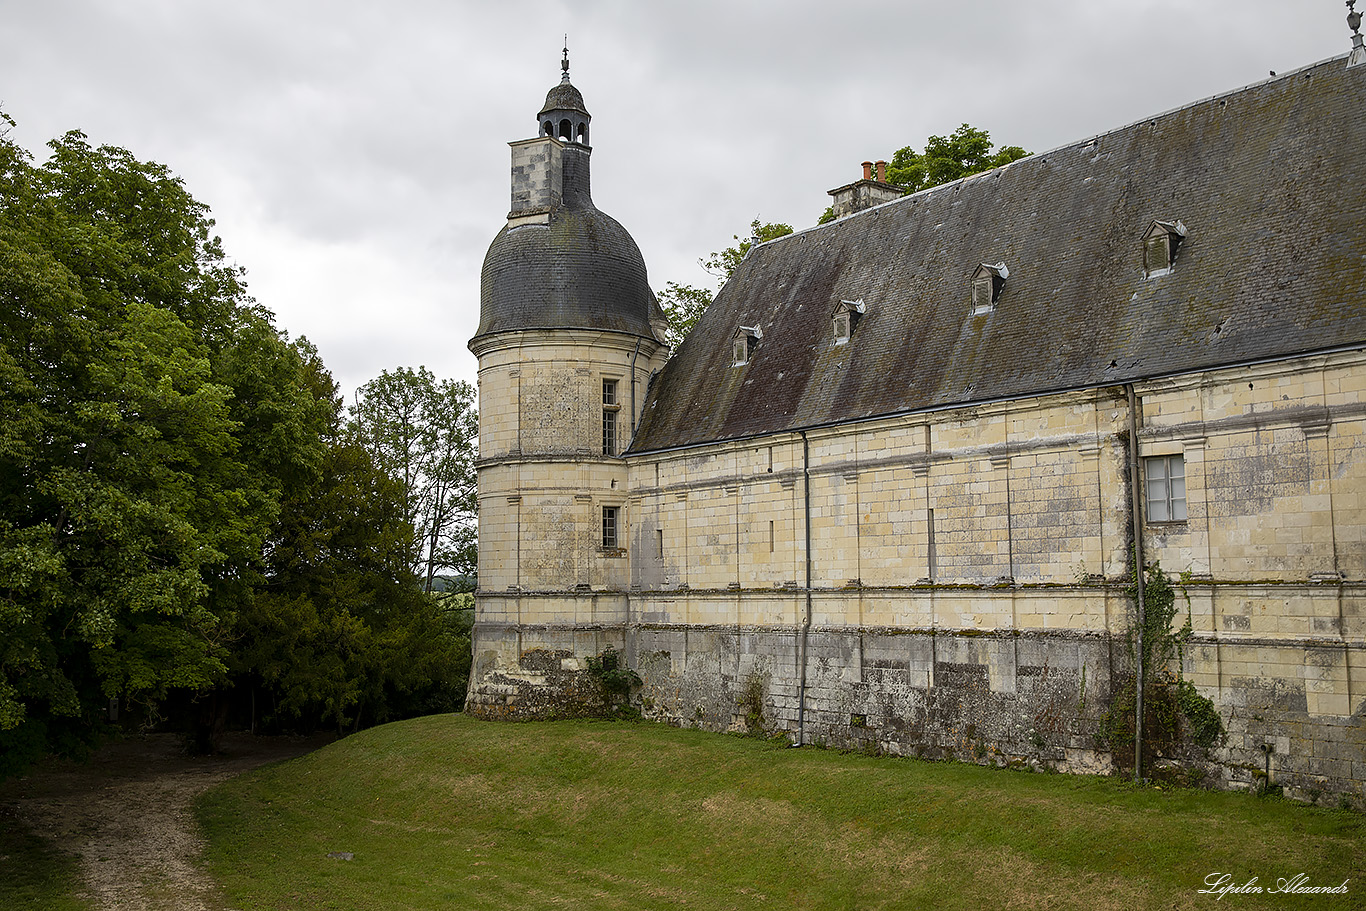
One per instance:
(1023, 699)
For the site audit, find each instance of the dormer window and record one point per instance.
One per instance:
(1160, 243)
(987, 282)
(845, 319)
(743, 343)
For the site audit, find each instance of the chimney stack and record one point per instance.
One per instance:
(865, 193)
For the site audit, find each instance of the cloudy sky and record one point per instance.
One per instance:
(354, 152)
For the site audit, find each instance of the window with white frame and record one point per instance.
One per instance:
(1165, 477)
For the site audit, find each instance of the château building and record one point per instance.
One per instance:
(888, 491)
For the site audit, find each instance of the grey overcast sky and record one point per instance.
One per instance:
(354, 152)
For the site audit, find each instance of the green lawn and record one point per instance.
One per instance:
(35, 875)
(449, 812)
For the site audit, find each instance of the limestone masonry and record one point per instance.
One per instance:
(884, 494)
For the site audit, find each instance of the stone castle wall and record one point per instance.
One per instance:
(965, 593)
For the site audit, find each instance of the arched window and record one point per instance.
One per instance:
(566, 130)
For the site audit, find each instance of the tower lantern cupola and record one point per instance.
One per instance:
(564, 115)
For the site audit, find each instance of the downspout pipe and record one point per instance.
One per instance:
(1136, 512)
(806, 617)
(633, 390)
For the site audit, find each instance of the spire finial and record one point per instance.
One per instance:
(1354, 23)
(564, 64)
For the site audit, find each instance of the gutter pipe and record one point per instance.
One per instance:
(1136, 511)
(806, 618)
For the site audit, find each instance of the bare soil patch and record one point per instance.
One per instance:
(127, 815)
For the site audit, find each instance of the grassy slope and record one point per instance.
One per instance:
(446, 811)
(35, 875)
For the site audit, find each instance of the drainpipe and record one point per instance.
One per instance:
(633, 390)
(1136, 511)
(806, 619)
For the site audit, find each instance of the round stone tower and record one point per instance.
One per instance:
(569, 333)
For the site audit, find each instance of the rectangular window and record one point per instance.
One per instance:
(609, 527)
(982, 296)
(659, 543)
(740, 352)
(609, 432)
(610, 407)
(1166, 488)
(1157, 257)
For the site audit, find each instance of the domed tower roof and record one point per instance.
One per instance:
(564, 97)
(560, 263)
(581, 270)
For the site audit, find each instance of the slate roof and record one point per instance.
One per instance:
(1269, 180)
(582, 270)
(563, 97)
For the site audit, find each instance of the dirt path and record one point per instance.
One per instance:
(127, 815)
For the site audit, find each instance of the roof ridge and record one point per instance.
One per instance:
(1076, 143)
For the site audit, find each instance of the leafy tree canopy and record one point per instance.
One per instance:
(151, 418)
(341, 630)
(423, 433)
(722, 265)
(948, 158)
(183, 507)
(684, 304)
(945, 159)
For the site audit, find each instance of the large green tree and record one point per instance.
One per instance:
(151, 419)
(340, 630)
(423, 433)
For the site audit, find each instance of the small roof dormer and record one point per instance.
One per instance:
(1160, 243)
(743, 343)
(845, 318)
(987, 281)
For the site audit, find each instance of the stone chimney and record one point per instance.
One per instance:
(865, 193)
(537, 178)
